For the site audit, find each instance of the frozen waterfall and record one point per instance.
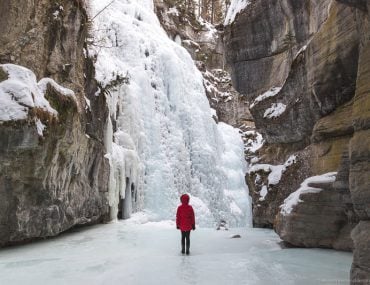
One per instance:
(161, 138)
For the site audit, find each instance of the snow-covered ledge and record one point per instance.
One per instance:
(316, 215)
(20, 92)
(294, 198)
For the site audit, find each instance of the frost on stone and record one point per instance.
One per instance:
(21, 92)
(275, 171)
(165, 141)
(236, 6)
(270, 93)
(294, 198)
(275, 110)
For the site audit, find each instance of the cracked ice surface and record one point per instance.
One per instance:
(128, 253)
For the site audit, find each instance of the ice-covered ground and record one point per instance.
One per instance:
(128, 253)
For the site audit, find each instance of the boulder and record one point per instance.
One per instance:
(323, 218)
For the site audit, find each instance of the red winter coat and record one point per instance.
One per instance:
(185, 219)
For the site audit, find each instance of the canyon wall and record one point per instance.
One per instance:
(53, 174)
(302, 66)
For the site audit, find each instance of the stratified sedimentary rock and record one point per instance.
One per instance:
(53, 174)
(303, 65)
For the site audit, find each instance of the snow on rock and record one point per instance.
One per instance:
(165, 141)
(275, 110)
(294, 198)
(253, 144)
(235, 7)
(21, 91)
(43, 85)
(88, 103)
(173, 11)
(275, 171)
(210, 30)
(301, 50)
(40, 127)
(270, 93)
(263, 193)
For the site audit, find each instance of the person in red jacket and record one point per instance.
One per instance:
(185, 222)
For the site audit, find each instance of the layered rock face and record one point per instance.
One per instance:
(297, 52)
(302, 65)
(359, 170)
(56, 178)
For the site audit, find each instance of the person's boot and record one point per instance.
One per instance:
(187, 249)
(182, 250)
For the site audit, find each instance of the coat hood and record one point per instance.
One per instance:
(185, 199)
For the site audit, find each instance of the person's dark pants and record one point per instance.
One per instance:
(185, 241)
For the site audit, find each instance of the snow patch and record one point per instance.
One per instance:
(40, 127)
(275, 171)
(173, 11)
(21, 91)
(56, 14)
(301, 50)
(88, 103)
(294, 198)
(270, 93)
(275, 110)
(235, 7)
(263, 193)
(252, 145)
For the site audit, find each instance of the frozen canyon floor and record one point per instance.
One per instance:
(131, 253)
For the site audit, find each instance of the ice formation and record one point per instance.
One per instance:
(165, 141)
